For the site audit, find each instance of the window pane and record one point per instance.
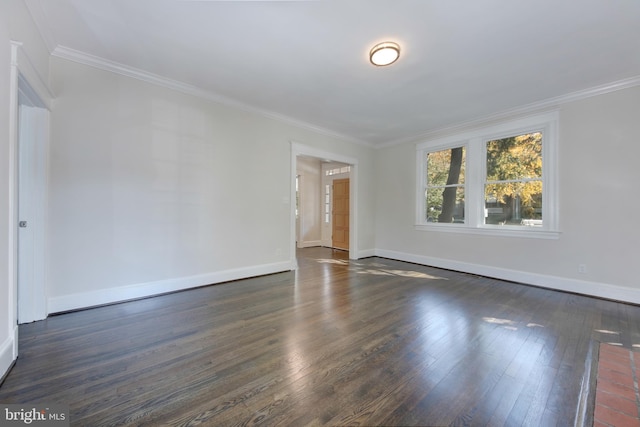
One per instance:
(446, 167)
(516, 157)
(439, 210)
(514, 203)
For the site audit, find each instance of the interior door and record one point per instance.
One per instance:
(32, 134)
(340, 214)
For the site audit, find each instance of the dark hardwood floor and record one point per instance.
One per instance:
(339, 342)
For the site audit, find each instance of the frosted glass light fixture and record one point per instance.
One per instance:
(385, 53)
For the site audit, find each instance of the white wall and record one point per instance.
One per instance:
(6, 320)
(153, 190)
(309, 170)
(15, 25)
(599, 149)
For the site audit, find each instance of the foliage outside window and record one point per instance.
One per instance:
(513, 188)
(445, 186)
(496, 180)
(297, 196)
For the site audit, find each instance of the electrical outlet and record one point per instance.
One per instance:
(582, 268)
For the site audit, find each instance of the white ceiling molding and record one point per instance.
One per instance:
(125, 70)
(536, 107)
(458, 68)
(30, 75)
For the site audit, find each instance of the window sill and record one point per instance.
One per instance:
(501, 231)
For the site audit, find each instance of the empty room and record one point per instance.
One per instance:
(365, 212)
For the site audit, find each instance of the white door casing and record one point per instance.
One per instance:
(298, 149)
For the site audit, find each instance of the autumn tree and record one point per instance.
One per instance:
(514, 172)
(513, 180)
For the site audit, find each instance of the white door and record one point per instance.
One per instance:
(32, 172)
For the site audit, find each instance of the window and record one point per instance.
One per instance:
(336, 171)
(297, 196)
(445, 185)
(327, 203)
(513, 183)
(496, 180)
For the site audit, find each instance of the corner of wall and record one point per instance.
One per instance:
(8, 352)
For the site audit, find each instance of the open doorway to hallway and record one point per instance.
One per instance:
(322, 203)
(324, 187)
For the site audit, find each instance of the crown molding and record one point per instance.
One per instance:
(30, 75)
(155, 79)
(536, 107)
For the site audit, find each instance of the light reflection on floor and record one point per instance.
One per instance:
(446, 326)
(379, 269)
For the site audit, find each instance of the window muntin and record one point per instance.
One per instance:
(444, 194)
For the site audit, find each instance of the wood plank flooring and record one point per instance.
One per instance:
(338, 342)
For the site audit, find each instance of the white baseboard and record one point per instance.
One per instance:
(8, 352)
(310, 243)
(596, 289)
(366, 253)
(141, 290)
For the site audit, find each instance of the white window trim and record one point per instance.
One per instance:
(474, 143)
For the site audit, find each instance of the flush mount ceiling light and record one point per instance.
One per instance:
(385, 53)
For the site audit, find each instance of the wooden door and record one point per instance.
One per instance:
(340, 214)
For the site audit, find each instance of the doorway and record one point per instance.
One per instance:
(351, 219)
(32, 155)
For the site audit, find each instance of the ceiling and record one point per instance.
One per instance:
(307, 61)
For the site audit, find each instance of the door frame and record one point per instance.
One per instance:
(25, 81)
(298, 149)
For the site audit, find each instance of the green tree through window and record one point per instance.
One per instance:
(500, 179)
(513, 188)
(445, 185)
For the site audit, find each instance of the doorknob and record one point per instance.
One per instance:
(22, 224)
